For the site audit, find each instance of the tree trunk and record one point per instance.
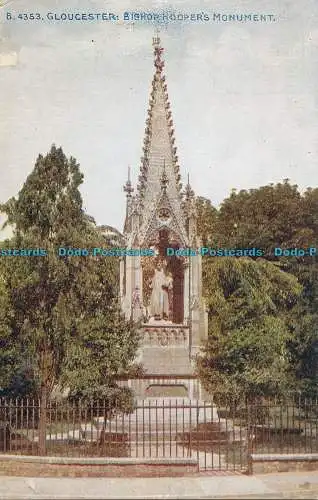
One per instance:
(42, 421)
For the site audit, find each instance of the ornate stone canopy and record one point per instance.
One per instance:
(160, 290)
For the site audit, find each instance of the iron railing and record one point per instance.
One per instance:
(220, 436)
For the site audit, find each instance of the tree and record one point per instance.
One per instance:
(8, 354)
(279, 216)
(268, 217)
(206, 220)
(112, 236)
(61, 304)
(303, 348)
(247, 352)
(17, 376)
(104, 346)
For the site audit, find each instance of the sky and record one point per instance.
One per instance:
(243, 95)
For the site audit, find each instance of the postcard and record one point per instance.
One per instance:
(159, 229)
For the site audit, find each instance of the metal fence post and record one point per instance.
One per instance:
(249, 447)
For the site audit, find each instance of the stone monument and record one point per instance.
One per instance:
(164, 291)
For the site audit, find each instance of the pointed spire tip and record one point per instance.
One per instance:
(156, 38)
(158, 50)
(128, 189)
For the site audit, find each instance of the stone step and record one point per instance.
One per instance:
(202, 438)
(157, 414)
(206, 442)
(170, 430)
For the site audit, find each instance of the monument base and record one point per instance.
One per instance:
(163, 386)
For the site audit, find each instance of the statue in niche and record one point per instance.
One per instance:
(161, 287)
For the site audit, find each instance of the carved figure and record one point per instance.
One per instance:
(161, 285)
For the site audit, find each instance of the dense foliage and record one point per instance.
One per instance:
(60, 317)
(263, 305)
(246, 352)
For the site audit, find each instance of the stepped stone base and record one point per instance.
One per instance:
(163, 386)
(173, 419)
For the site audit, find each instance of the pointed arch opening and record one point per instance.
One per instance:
(164, 300)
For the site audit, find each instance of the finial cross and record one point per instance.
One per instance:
(156, 39)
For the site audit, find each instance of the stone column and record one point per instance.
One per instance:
(186, 293)
(195, 299)
(141, 284)
(206, 321)
(136, 265)
(121, 277)
(129, 287)
(137, 289)
(190, 388)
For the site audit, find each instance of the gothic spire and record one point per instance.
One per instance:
(189, 193)
(128, 186)
(159, 138)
